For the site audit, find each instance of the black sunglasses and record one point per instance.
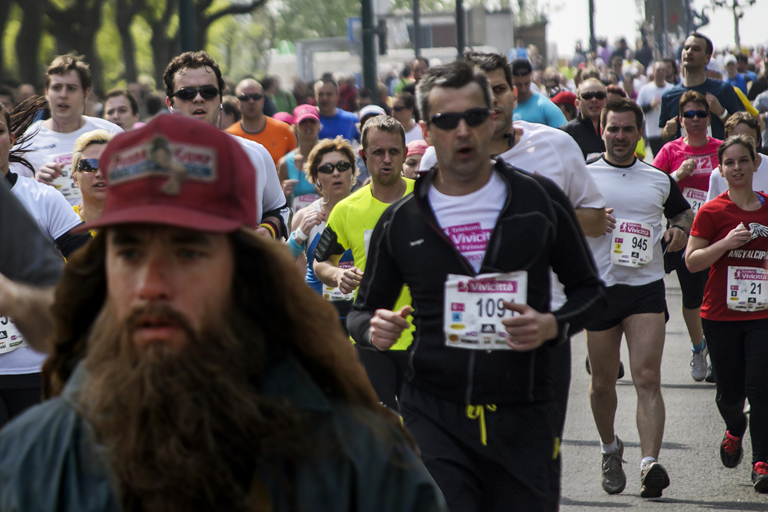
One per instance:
(88, 165)
(207, 92)
(255, 96)
(328, 168)
(600, 95)
(450, 120)
(398, 109)
(690, 114)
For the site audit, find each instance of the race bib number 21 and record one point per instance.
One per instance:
(474, 309)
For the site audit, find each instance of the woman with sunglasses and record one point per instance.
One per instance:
(331, 168)
(730, 235)
(299, 191)
(87, 175)
(690, 160)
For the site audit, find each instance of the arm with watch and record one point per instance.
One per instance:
(677, 234)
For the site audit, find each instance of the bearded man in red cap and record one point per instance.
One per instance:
(190, 368)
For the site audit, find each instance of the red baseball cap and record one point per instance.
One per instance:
(564, 98)
(178, 171)
(304, 112)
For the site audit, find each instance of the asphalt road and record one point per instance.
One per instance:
(692, 436)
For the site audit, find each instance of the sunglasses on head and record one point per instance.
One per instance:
(600, 95)
(88, 165)
(255, 96)
(207, 92)
(690, 114)
(450, 120)
(328, 168)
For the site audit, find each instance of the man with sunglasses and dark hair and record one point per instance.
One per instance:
(350, 226)
(274, 135)
(591, 97)
(193, 86)
(551, 153)
(474, 244)
(723, 101)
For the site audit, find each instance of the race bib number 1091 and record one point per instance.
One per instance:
(474, 309)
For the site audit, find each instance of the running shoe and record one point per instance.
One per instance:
(760, 476)
(710, 374)
(614, 479)
(730, 450)
(653, 479)
(589, 368)
(699, 364)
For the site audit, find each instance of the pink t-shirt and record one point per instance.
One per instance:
(673, 154)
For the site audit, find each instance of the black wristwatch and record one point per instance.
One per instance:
(681, 228)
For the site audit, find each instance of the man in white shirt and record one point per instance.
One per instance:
(403, 109)
(193, 86)
(649, 99)
(67, 86)
(629, 258)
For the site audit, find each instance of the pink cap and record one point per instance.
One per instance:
(416, 147)
(304, 112)
(284, 117)
(178, 171)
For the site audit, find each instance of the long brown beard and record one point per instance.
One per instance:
(183, 429)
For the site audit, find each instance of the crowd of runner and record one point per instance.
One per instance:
(456, 233)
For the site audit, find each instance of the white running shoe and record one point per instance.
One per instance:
(699, 364)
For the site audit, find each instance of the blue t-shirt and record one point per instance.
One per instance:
(738, 81)
(540, 109)
(343, 123)
(670, 103)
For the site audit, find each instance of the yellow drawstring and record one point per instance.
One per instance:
(475, 412)
(556, 451)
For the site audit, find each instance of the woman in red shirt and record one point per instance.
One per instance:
(730, 235)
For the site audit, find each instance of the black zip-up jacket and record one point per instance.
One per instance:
(583, 132)
(536, 230)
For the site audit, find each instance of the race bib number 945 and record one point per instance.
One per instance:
(747, 289)
(474, 309)
(631, 243)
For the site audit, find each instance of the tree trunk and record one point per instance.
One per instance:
(164, 47)
(126, 12)
(28, 42)
(736, 25)
(5, 12)
(75, 30)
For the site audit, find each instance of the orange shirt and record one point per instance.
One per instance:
(277, 137)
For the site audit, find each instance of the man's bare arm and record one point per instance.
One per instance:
(592, 221)
(327, 272)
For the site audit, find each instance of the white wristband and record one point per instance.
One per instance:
(300, 236)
